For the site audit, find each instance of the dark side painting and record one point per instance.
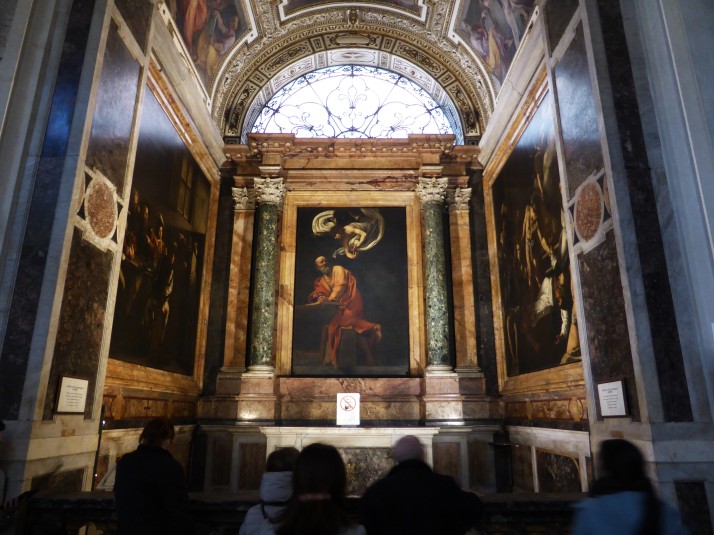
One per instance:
(540, 330)
(156, 313)
(351, 292)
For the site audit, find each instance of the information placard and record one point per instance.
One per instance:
(612, 399)
(347, 409)
(72, 395)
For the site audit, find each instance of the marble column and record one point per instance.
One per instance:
(462, 283)
(269, 196)
(432, 193)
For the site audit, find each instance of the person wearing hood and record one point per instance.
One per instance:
(622, 501)
(276, 489)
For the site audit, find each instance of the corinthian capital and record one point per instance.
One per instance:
(432, 189)
(243, 199)
(269, 190)
(459, 199)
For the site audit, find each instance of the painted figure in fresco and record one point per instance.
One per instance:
(358, 230)
(217, 36)
(337, 286)
(194, 14)
(494, 29)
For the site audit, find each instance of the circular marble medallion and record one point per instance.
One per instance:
(588, 211)
(100, 208)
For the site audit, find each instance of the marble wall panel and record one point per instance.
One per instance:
(137, 15)
(693, 506)
(481, 465)
(557, 473)
(365, 466)
(637, 173)
(221, 453)
(558, 14)
(578, 118)
(59, 482)
(108, 149)
(252, 465)
(606, 320)
(33, 256)
(7, 10)
(447, 459)
(81, 322)
(522, 464)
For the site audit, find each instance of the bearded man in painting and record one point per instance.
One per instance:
(338, 286)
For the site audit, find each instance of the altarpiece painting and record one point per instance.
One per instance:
(351, 292)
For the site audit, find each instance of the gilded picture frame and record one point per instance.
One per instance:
(297, 200)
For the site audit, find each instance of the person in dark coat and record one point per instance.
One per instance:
(414, 500)
(150, 488)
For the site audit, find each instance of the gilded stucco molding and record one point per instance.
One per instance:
(246, 77)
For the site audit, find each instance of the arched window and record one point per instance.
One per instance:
(355, 101)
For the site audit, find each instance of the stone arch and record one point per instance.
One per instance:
(251, 76)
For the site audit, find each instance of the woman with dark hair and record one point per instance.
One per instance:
(622, 501)
(317, 505)
(150, 488)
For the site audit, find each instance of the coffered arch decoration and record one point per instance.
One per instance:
(247, 80)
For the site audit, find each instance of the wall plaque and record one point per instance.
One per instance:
(73, 395)
(612, 399)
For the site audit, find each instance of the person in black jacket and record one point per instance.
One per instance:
(150, 488)
(414, 500)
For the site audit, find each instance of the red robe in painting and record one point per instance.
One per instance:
(340, 286)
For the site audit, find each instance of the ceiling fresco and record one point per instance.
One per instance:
(246, 50)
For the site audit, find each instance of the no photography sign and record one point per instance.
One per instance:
(347, 409)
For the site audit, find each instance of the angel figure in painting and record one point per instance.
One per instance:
(359, 230)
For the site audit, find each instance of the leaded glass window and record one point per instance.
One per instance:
(354, 101)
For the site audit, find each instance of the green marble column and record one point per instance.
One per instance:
(269, 194)
(432, 192)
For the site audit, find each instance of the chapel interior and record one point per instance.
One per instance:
(513, 267)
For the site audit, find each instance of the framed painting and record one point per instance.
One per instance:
(534, 309)
(348, 263)
(156, 316)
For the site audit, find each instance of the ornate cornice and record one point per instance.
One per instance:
(432, 190)
(269, 190)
